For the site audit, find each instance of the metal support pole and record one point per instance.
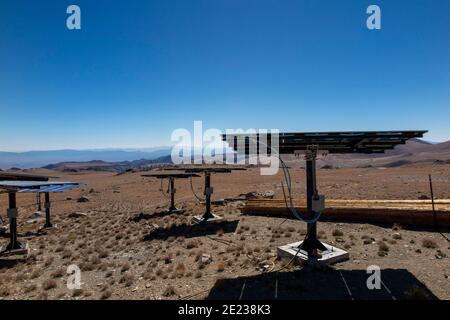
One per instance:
(208, 191)
(48, 223)
(172, 194)
(311, 244)
(12, 214)
(432, 200)
(38, 200)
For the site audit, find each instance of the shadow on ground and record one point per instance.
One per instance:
(154, 215)
(192, 231)
(329, 284)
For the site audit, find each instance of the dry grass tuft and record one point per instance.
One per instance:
(106, 294)
(383, 249)
(49, 284)
(57, 273)
(127, 279)
(169, 291)
(220, 266)
(429, 243)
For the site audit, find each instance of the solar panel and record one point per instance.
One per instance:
(332, 142)
(37, 186)
(12, 188)
(51, 189)
(311, 143)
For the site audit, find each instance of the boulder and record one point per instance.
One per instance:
(206, 258)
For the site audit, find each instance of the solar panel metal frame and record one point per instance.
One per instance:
(332, 142)
(38, 186)
(207, 168)
(166, 175)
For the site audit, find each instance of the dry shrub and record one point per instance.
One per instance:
(337, 233)
(198, 256)
(220, 266)
(127, 279)
(66, 254)
(57, 273)
(180, 266)
(383, 249)
(77, 293)
(148, 274)
(106, 294)
(48, 262)
(86, 266)
(49, 284)
(168, 259)
(109, 274)
(125, 267)
(4, 291)
(29, 288)
(160, 272)
(169, 291)
(35, 274)
(103, 254)
(429, 243)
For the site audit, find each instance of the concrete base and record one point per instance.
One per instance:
(199, 219)
(331, 256)
(15, 252)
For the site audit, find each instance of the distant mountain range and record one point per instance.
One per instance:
(414, 151)
(36, 159)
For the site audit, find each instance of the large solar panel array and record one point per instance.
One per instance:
(332, 142)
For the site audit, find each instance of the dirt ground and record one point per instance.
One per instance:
(127, 250)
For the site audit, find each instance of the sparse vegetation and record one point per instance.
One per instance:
(106, 294)
(429, 243)
(220, 266)
(383, 249)
(49, 284)
(169, 291)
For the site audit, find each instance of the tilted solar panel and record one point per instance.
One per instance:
(37, 186)
(163, 175)
(332, 142)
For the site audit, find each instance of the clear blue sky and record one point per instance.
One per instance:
(139, 69)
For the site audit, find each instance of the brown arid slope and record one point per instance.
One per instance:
(121, 256)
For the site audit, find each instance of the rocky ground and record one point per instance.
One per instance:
(126, 249)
